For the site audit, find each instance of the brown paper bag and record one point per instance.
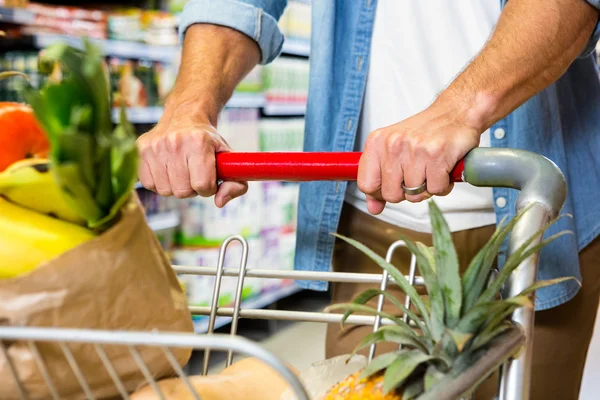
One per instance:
(120, 280)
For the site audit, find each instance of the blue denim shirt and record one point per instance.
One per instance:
(562, 123)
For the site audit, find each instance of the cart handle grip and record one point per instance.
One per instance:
(297, 167)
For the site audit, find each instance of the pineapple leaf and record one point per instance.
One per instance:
(432, 377)
(487, 336)
(399, 336)
(379, 363)
(478, 315)
(549, 282)
(413, 389)
(476, 276)
(446, 264)
(524, 252)
(366, 310)
(400, 280)
(428, 254)
(436, 299)
(368, 294)
(401, 368)
(460, 338)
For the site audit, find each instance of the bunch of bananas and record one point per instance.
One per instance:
(50, 206)
(37, 223)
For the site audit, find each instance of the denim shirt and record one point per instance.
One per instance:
(562, 123)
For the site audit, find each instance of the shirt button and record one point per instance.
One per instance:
(499, 133)
(501, 202)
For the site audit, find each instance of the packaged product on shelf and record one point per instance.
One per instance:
(126, 24)
(160, 28)
(66, 20)
(252, 83)
(271, 256)
(145, 71)
(281, 134)
(240, 128)
(203, 224)
(131, 80)
(286, 81)
(295, 23)
(165, 75)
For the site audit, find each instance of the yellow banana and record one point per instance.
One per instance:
(28, 239)
(29, 183)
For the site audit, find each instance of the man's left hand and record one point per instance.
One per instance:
(424, 147)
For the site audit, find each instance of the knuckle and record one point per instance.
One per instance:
(175, 142)
(396, 143)
(164, 191)
(183, 193)
(204, 187)
(367, 187)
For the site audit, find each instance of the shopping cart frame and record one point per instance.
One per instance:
(542, 189)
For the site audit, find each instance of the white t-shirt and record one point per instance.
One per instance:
(418, 48)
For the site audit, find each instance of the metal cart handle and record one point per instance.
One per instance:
(541, 183)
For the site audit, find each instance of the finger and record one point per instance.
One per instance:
(369, 174)
(179, 177)
(374, 205)
(145, 176)
(438, 180)
(391, 180)
(414, 176)
(158, 169)
(228, 191)
(203, 173)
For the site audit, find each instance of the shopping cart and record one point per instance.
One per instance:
(542, 189)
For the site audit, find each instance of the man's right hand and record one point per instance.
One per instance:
(178, 159)
(178, 155)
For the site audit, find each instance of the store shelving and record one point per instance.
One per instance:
(261, 301)
(115, 48)
(165, 220)
(128, 49)
(15, 15)
(151, 115)
(293, 109)
(296, 47)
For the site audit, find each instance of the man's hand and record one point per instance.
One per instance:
(178, 155)
(532, 46)
(178, 159)
(425, 147)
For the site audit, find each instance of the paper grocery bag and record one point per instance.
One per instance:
(120, 280)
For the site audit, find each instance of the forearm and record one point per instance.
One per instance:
(214, 60)
(533, 45)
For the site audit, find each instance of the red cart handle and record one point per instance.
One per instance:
(296, 167)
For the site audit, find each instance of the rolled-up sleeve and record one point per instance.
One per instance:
(256, 19)
(595, 35)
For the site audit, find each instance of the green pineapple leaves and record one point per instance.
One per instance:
(95, 165)
(446, 264)
(457, 319)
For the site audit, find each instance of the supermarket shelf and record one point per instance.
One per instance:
(274, 109)
(140, 115)
(296, 47)
(162, 221)
(15, 15)
(128, 49)
(151, 115)
(246, 100)
(262, 301)
(116, 48)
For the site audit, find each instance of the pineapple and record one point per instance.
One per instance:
(459, 317)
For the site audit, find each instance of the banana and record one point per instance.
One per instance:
(30, 184)
(28, 238)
